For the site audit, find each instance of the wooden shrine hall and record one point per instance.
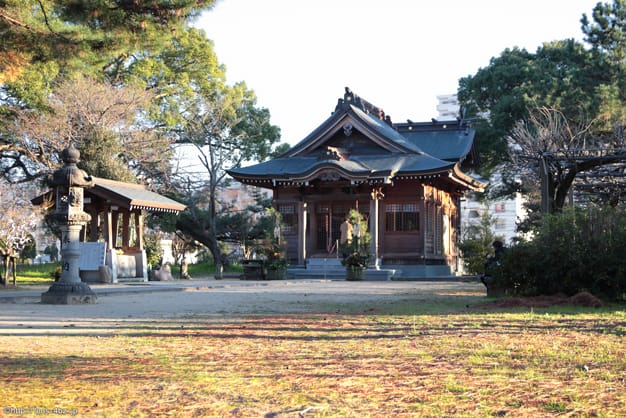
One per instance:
(407, 179)
(114, 236)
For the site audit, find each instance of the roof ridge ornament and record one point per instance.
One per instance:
(350, 98)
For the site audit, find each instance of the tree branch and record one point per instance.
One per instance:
(14, 21)
(45, 17)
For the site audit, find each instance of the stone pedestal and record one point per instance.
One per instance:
(69, 294)
(69, 290)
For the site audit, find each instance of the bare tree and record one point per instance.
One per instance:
(548, 150)
(217, 147)
(107, 123)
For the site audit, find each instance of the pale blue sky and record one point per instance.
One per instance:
(398, 54)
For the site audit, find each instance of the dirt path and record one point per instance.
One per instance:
(220, 298)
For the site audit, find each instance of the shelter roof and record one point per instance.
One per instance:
(126, 195)
(134, 196)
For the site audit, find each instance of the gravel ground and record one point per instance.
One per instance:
(159, 300)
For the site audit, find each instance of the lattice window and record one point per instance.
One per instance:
(290, 218)
(401, 217)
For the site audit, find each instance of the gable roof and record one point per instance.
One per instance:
(380, 152)
(349, 116)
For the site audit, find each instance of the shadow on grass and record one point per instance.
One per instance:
(372, 323)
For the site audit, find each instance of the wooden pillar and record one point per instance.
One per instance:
(427, 200)
(302, 242)
(108, 229)
(95, 224)
(139, 229)
(126, 229)
(115, 219)
(377, 195)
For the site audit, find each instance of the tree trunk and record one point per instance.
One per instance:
(12, 261)
(4, 278)
(9, 270)
(561, 190)
(217, 256)
(214, 247)
(560, 178)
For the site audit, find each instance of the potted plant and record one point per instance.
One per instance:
(275, 263)
(355, 250)
(355, 264)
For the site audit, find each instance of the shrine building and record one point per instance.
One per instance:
(407, 180)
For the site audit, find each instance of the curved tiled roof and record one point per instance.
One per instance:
(399, 150)
(451, 144)
(387, 131)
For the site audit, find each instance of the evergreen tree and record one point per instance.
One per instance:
(46, 39)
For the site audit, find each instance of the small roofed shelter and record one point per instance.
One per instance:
(114, 236)
(406, 179)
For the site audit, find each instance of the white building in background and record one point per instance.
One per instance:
(448, 107)
(505, 212)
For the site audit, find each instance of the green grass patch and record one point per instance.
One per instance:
(41, 274)
(35, 274)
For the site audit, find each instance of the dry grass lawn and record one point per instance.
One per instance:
(379, 361)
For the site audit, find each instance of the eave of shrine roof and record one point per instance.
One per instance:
(369, 166)
(466, 180)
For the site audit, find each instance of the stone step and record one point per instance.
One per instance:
(324, 264)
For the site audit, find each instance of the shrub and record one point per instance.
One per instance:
(152, 245)
(29, 251)
(517, 273)
(573, 251)
(476, 243)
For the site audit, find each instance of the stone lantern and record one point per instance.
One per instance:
(69, 183)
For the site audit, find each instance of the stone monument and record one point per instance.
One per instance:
(68, 215)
